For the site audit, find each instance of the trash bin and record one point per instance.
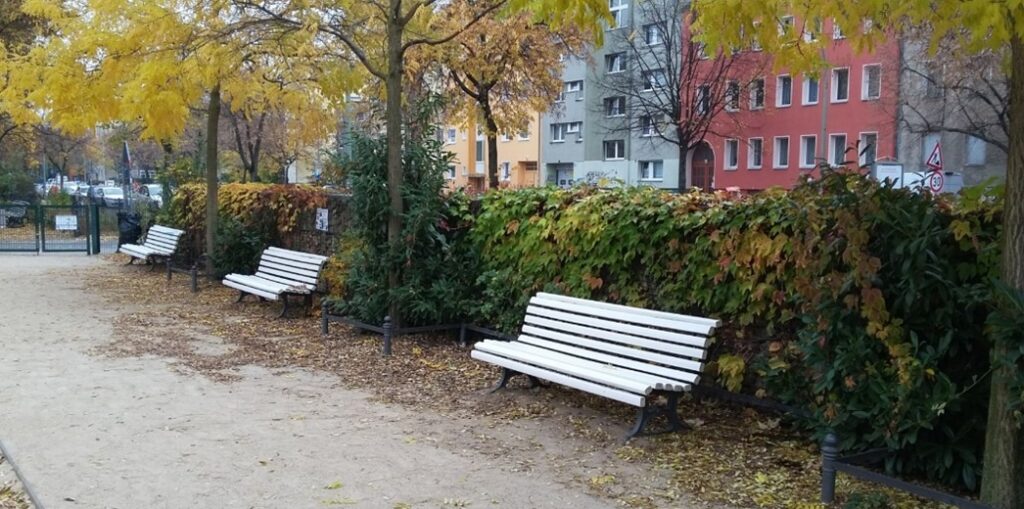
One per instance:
(129, 228)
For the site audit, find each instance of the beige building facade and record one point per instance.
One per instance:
(518, 154)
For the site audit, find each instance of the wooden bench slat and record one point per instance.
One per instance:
(509, 351)
(296, 255)
(615, 337)
(298, 271)
(592, 322)
(568, 381)
(689, 377)
(297, 287)
(250, 290)
(299, 264)
(652, 381)
(286, 276)
(712, 322)
(166, 229)
(258, 282)
(638, 321)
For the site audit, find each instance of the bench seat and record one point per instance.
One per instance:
(160, 242)
(281, 272)
(627, 354)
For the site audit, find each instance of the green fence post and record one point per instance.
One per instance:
(94, 227)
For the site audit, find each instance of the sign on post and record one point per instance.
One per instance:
(321, 219)
(935, 159)
(66, 222)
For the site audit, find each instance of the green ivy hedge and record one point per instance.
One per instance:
(864, 304)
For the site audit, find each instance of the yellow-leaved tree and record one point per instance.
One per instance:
(974, 26)
(106, 61)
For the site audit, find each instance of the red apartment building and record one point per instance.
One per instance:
(770, 131)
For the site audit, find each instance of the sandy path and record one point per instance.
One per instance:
(94, 432)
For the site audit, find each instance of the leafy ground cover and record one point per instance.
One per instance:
(733, 455)
(11, 494)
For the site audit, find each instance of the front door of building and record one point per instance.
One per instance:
(702, 167)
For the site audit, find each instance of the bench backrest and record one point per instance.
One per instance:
(292, 268)
(163, 239)
(656, 342)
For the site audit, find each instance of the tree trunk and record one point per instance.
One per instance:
(165, 186)
(212, 123)
(492, 142)
(393, 85)
(1002, 484)
(684, 184)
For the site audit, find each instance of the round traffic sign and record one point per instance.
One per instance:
(936, 181)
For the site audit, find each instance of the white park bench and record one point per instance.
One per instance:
(161, 244)
(281, 273)
(628, 354)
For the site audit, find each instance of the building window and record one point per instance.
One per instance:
(702, 50)
(505, 136)
(732, 96)
(810, 91)
(812, 30)
(614, 150)
(654, 34)
(975, 150)
(732, 154)
(618, 10)
(871, 86)
(933, 84)
(615, 62)
(647, 126)
(558, 133)
(450, 174)
(755, 45)
(524, 134)
(783, 91)
(757, 94)
(928, 144)
(615, 106)
(837, 31)
(808, 148)
(653, 79)
(703, 99)
(840, 85)
(868, 148)
(506, 171)
(574, 87)
(780, 153)
(479, 151)
(652, 170)
(451, 136)
(755, 153)
(785, 24)
(575, 128)
(837, 149)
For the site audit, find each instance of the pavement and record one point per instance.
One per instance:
(90, 431)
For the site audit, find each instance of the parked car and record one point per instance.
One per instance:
(154, 192)
(110, 196)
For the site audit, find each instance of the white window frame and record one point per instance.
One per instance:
(778, 91)
(617, 8)
(817, 26)
(732, 96)
(608, 111)
(837, 31)
(451, 135)
(753, 93)
(558, 132)
(805, 92)
(833, 153)
(505, 136)
(834, 86)
(449, 174)
(735, 144)
(803, 152)
(648, 127)
(575, 86)
(619, 157)
(657, 29)
(649, 84)
(523, 135)
(506, 171)
(776, 163)
(653, 164)
(865, 85)
(751, 153)
(861, 161)
(968, 141)
(573, 127)
(787, 20)
(610, 58)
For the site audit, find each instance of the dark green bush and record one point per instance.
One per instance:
(239, 245)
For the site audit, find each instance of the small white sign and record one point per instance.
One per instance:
(935, 160)
(66, 222)
(321, 219)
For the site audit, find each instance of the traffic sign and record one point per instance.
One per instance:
(936, 181)
(935, 160)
